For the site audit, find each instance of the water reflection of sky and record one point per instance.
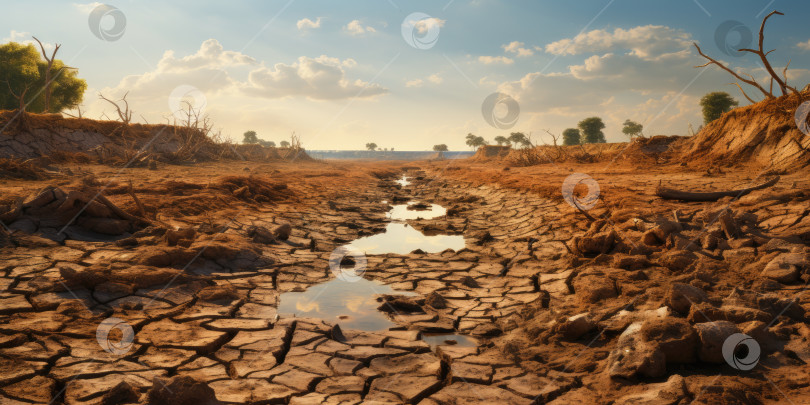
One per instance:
(400, 212)
(335, 298)
(403, 239)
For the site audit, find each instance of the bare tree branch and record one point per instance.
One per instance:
(731, 72)
(50, 61)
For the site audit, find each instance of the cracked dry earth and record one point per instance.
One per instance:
(558, 309)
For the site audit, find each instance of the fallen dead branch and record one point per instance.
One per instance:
(673, 194)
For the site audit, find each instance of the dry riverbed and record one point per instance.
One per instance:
(479, 284)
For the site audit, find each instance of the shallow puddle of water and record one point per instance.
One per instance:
(447, 340)
(402, 212)
(351, 304)
(403, 181)
(403, 239)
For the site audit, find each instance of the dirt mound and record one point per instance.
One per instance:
(764, 133)
(111, 142)
(491, 152)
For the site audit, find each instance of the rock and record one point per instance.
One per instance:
(260, 234)
(336, 334)
(470, 282)
(785, 268)
(400, 303)
(673, 336)
(183, 237)
(122, 393)
(181, 390)
(673, 391)
(680, 297)
(677, 260)
(630, 262)
(634, 357)
(435, 300)
(283, 231)
(593, 245)
(593, 285)
(470, 393)
(575, 327)
(712, 336)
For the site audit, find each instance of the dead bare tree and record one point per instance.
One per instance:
(124, 114)
(751, 81)
(50, 61)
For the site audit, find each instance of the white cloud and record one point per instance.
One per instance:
(648, 42)
(489, 60)
(25, 38)
(210, 54)
(435, 79)
(422, 27)
(414, 83)
(654, 83)
(356, 28)
(214, 71)
(86, 8)
(518, 49)
(321, 78)
(805, 46)
(307, 24)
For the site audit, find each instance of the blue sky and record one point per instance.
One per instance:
(340, 74)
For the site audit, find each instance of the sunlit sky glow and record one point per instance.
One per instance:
(340, 74)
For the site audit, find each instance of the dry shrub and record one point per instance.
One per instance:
(19, 169)
(256, 188)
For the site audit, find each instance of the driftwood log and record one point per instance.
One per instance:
(673, 194)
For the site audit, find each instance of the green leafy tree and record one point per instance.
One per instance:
(250, 137)
(519, 138)
(475, 141)
(22, 70)
(371, 146)
(440, 148)
(591, 129)
(285, 144)
(632, 128)
(716, 104)
(267, 144)
(501, 140)
(571, 137)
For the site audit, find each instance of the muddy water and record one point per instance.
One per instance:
(352, 303)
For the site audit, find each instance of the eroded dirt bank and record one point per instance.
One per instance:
(620, 308)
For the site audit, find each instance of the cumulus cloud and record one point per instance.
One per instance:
(216, 73)
(321, 78)
(489, 60)
(424, 26)
(627, 73)
(648, 42)
(356, 28)
(414, 83)
(307, 24)
(210, 54)
(435, 79)
(518, 49)
(805, 46)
